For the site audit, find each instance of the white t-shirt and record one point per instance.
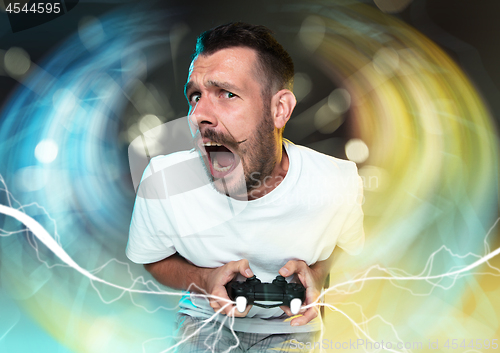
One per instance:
(316, 207)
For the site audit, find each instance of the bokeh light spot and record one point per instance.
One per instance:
(302, 85)
(356, 150)
(31, 179)
(386, 61)
(148, 122)
(46, 151)
(312, 32)
(90, 32)
(326, 120)
(339, 100)
(16, 61)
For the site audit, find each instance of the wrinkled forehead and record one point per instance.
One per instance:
(233, 63)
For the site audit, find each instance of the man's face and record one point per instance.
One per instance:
(236, 126)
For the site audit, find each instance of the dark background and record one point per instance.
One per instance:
(467, 30)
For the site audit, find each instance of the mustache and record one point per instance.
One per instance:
(223, 139)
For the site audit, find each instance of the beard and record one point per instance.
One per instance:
(260, 154)
(257, 159)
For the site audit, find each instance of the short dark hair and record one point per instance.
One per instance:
(274, 62)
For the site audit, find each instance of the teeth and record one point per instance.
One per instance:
(210, 143)
(219, 168)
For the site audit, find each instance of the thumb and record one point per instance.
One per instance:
(244, 268)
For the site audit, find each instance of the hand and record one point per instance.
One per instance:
(311, 281)
(215, 282)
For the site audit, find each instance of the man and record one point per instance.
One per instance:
(289, 206)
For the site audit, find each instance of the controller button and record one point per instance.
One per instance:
(241, 304)
(295, 305)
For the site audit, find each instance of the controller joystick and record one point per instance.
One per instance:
(252, 280)
(254, 292)
(280, 281)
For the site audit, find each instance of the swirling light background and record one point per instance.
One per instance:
(370, 88)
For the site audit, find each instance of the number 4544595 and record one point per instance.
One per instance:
(474, 344)
(47, 7)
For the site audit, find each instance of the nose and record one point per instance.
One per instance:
(205, 113)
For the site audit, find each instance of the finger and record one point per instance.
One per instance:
(220, 296)
(223, 301)
(227, 308)
(230, 309)
(216, 306)
(287, 310)
(312, 295)
(310, 314)
(243, 267)
(236, 313)
(291, 267)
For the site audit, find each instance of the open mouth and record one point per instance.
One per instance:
(221, 159)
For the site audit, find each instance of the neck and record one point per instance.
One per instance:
(270, 182)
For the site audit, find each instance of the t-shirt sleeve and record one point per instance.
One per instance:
(150, 228)
(352, 236)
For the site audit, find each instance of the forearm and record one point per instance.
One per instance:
(175, 272)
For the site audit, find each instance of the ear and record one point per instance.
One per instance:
(282, 103)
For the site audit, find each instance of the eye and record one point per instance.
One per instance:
(194, 98)
(227, 94)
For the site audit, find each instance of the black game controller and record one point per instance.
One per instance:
(253, 290)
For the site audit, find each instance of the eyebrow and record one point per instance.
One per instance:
(224, 85)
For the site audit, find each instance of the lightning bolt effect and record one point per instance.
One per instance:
(431, 189)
